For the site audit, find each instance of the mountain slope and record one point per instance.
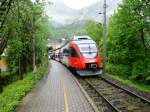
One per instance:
(63, 14)
(92, 11)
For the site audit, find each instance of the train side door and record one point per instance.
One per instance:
(74, 58)
(65, 57)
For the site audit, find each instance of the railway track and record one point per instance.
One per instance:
(109, 97)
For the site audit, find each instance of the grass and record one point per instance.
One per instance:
(137, 85)
(14, 93)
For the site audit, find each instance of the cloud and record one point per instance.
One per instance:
(76, 4)
(66, 11)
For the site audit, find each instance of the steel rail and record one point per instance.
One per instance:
(108, 102)
(126, 90)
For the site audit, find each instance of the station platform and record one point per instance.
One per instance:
(57, 92)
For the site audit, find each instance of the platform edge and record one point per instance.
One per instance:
(86, 95)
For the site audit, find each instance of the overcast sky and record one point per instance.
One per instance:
(77, 4)
(64, 11)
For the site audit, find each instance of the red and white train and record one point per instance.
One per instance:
(82, 55)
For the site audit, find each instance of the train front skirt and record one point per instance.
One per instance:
(89, 72)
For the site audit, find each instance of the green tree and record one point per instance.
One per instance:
(4, 10)
(94, 30)
(128, 39)
(25, 19)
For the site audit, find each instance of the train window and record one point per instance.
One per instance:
(73, 53)
(88, 50)
(65, 51)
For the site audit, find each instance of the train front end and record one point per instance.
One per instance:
(88, 62)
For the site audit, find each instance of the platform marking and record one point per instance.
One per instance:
(65, 96)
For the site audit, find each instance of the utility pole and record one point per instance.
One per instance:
(34, 64)
(104, 39)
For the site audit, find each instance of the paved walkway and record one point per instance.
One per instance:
(57, 92)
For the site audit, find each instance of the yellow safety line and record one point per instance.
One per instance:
(65, 97)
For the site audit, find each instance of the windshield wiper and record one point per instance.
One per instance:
(90, 50)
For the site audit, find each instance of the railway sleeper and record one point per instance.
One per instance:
(97, 99)
(105, 89)
(90, 91)
(113, 99)
(134, 109)
(115, 102)
(105, 93)
(122, 108)
(119, 95)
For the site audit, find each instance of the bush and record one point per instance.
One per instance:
(137, 71)
(121, 70)
(6, 78)
(148, 73)
(140, 72)
(13, 93)
(148, 80)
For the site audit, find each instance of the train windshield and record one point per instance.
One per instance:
(88, 50)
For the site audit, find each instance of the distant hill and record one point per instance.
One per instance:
(66, 31)
(63, 14)
(68, 22)
(92, 12)
(60, 12)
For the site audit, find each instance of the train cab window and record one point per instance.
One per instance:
(73, 53)
(88, 50)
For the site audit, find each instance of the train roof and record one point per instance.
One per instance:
(84, 37)
(82, 40)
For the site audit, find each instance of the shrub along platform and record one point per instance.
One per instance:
(13, 93)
